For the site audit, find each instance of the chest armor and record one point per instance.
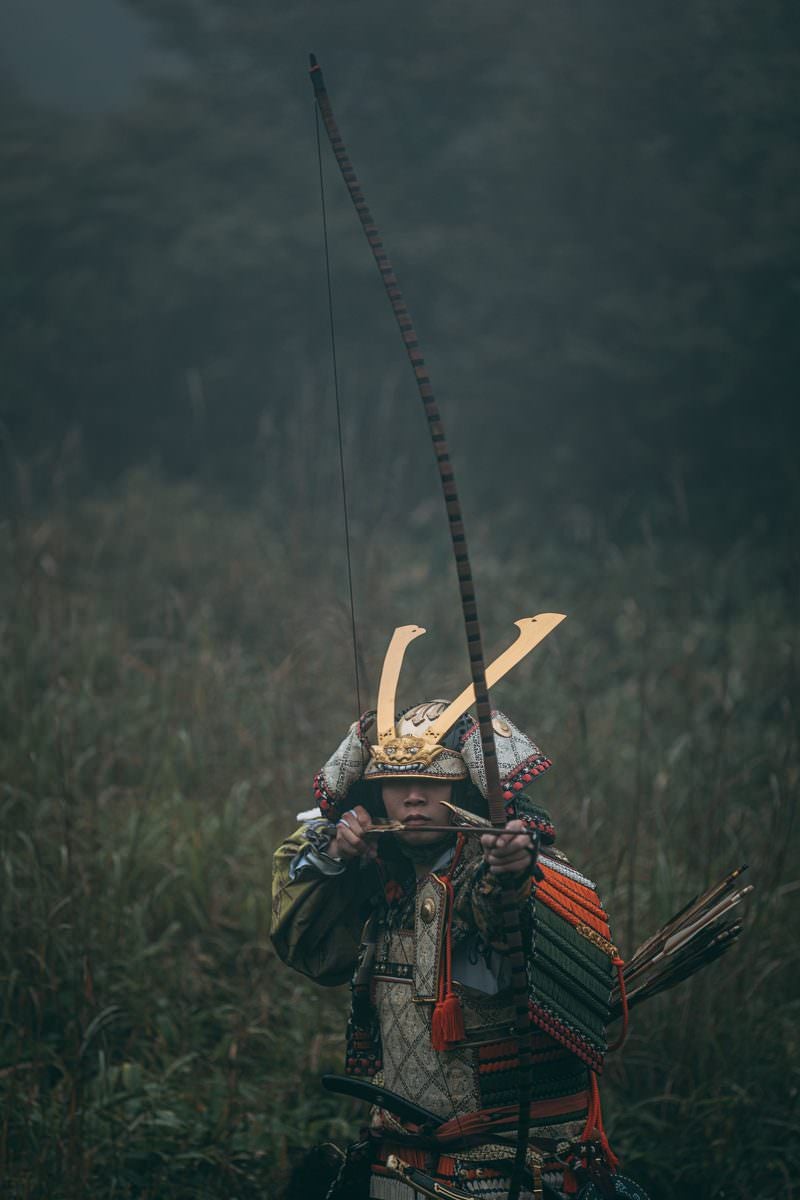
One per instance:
(480, 1072)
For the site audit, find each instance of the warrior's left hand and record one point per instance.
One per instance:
(509, 852)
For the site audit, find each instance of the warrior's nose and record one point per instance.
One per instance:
(416, 796)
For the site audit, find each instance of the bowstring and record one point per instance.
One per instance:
(337, 397)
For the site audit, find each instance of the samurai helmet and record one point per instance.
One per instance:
(437, 739)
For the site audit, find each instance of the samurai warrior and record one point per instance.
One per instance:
(397, 883)
(483, 970)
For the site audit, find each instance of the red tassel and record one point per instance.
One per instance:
(447, 1023)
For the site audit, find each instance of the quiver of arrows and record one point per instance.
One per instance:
(700, 932)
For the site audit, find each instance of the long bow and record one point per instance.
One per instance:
(497, 810)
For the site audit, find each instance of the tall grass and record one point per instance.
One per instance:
(172, 672)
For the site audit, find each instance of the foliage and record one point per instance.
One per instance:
(593, 215)
(169, 679)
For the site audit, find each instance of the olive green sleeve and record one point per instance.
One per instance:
(317, 919)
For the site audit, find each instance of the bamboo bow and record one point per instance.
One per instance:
(497, 809)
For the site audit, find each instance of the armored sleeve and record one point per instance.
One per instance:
(317, 918)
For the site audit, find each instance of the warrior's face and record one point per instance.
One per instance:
(417, 803)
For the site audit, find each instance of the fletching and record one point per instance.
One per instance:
(697, 934)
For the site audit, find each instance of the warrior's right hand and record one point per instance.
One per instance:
(350, 843)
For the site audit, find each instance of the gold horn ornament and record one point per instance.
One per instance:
(532, 630)
(402, 638)
(419, 751)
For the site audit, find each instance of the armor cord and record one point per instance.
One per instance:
(447, 1020)
(623, 998)
(495, 797)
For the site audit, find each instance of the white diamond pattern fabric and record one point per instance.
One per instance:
(345, 766)
(513, 749)
(442, 1083)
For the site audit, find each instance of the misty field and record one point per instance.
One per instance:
(172, 672)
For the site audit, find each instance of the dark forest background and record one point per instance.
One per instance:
(593, 212)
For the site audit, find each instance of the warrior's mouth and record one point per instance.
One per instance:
(417, 821)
